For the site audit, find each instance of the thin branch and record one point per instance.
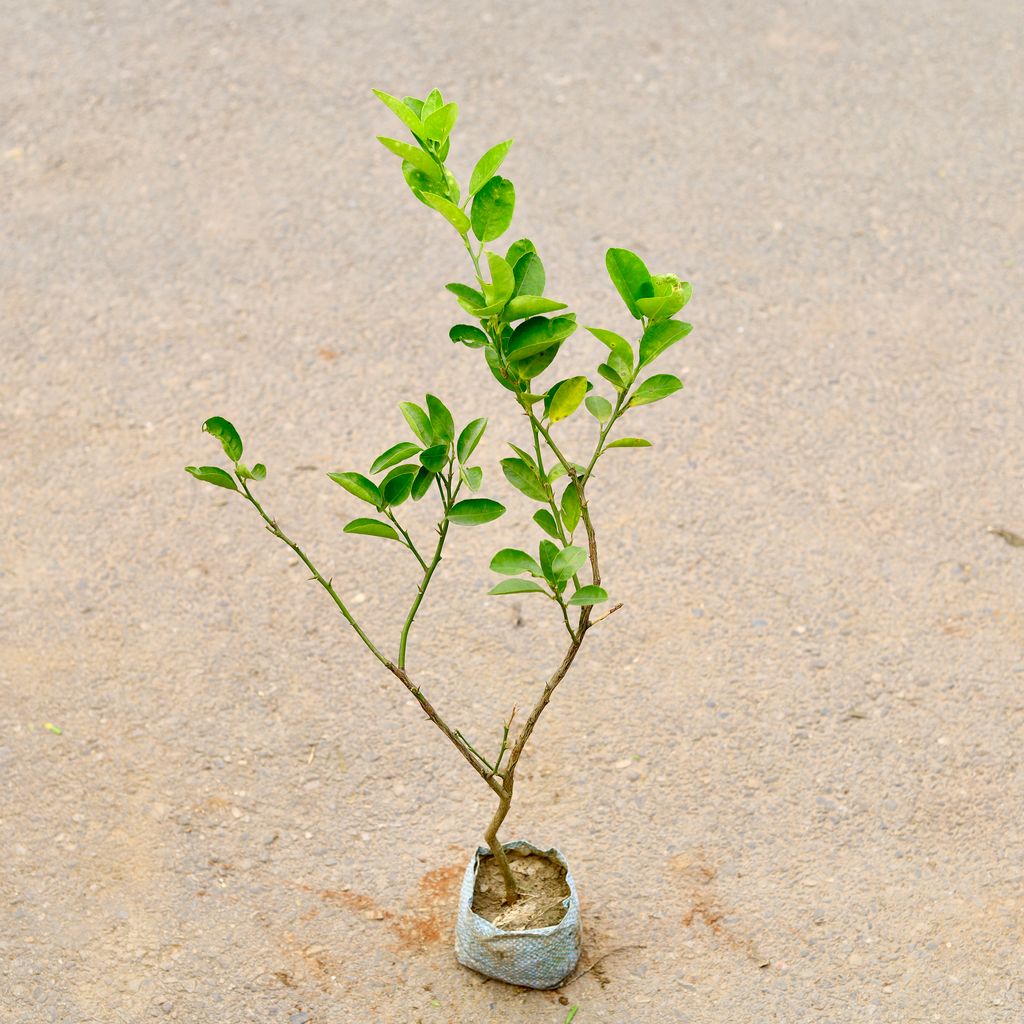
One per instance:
(542, 703)
(460, 744)
(483, 760)
(611, 611)
(565, 615)
(428, 570)
(326, 584)
(555, 514)
(394, 669)
(504, 742)
(405, 533)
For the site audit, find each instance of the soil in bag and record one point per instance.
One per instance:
(542, 890)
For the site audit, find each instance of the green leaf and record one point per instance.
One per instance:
(670, 295)
(502, 280)
(588, 595)
(487, 166)
(570, 507)
(429, 105)
(418, 420)
(630, 277)
(474, 511)
(243, 472)
(529, 274)
(221, 429)
(371, 528)
(419, 182)
(441, 421)
(621, 355)
(259, 471)
(448, 210)
(568, 562)
(547, 557)
(517, 250)
(473, 475)
(535, 365)
(659, 337)
(621, 361)
(513, 562)
(600, 408)
(492, 210)
(612, 377)
(483, 312)
(655, 388)
(213, 475)
(537, 334)
(469, 298)
(395, 454)
(629, 442)
(557, 471)
(421, 483)
(439, 124)
(529, 305)
(517, 587)
(524, 478)
(435, 458)
(413, 155)
(661, 307)
(546, 521)
(453, 186)
(360, 486)
(609, 338)
(470, 438)
(397, 485)
(524, 455)
(415, 105)
(402, 111)
(567, 398)
(466, 293)
(468, 335)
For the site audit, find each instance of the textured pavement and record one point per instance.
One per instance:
(787, 774)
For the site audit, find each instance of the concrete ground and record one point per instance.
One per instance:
(787, 774)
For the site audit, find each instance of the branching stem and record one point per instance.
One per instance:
(428, 570)
(399, 672)
(408, 540)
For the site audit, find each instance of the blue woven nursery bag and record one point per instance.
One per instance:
(536, 958)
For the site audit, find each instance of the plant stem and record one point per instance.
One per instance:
(408, 540)
(483, 760)
(565, 615)
(595, 569)
(476, 261)
(326, 584)
(394, 669)
(509, 774)
(428, 570)
(459, 743)
(555, 514)
(497, 850)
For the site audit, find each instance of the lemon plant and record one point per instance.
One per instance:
(519, 332)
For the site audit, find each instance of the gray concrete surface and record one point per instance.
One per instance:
(788, 774)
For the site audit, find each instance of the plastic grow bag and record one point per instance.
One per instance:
(535, 958)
